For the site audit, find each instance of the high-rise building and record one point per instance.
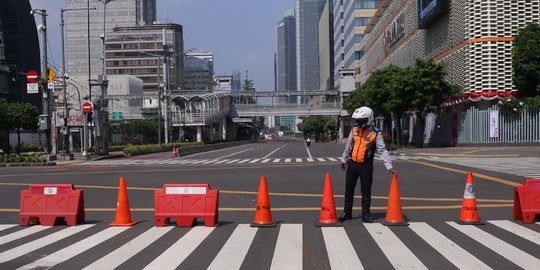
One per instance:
(307, 13)
(286, 52)
(351, 17)
(326, 47)
(139, 51)
(118, 13)
(198, 70)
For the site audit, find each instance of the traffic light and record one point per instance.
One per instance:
(13, 73)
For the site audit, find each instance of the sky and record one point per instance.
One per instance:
(240, 33)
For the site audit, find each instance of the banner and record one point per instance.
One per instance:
(493, 124)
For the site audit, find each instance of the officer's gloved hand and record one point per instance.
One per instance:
(343, 166)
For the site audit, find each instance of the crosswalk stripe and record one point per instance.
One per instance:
(517, 230)
(288, 251)
(16, 252)
(22, 233)
(221, 161)
(454, 253)
(276, 160)
(231, 161)
(75, 249)
(125, 252)
(288, 160)
(265, 160)
(179, 251)
(321, 159)
(244, 161)
(397, 253)
(332, 159)
(6, 226)
(298, 160)
(310, 160)
(255, 160)
(340, 250)
(235, 249)
(513, 254)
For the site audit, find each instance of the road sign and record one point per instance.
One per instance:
(117, 116)
(31, 76)
(87, 107)
(50, 74)
(32, 88)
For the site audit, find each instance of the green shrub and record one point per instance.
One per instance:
(155, 148)
(22, 159)
(115, 148)
(31, 148)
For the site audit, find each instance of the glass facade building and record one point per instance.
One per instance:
(351, 17)
(199, 70)
(119, 13)
(286, 52)
(307, 13)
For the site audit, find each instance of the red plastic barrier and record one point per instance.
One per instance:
(46, 203)
(527, 200)
(185, 203)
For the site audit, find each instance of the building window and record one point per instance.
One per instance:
(342, 56)
(342, 29)
(342, 43)
(358, 55)
(367, 4)
(362, 21)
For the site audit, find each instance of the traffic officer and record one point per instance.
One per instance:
(357, 158)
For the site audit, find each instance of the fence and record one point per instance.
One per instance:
(475, 126)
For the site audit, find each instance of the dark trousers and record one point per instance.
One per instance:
(365, 172)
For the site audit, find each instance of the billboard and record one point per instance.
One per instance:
(431, 10)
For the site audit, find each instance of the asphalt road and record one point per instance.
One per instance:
(431, 185)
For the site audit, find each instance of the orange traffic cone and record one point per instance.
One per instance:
(394, 215)
(123, 213)
(328, 216)
(263, 215)
(173, 152)
(469, 210)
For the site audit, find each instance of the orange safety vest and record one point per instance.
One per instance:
(364, 144)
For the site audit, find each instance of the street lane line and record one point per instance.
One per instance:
(511, 253)
(130, 249)
(179, 251)
(21, 250)
(235, 153)
(517, 230)
(450, 250)
(275, 150)
(395, 251)
(22, 233)
(7, 226)
(288, 251)
(75, 249)
(341, 253)
(235, 249)
(308, 152)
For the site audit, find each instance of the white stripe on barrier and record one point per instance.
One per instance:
(21, 250)
(452, 252)
(397, 253)
(75, 249)
(340, 250)
(288, 251)
(179, 251)
(125, 252)
(517, 230)
(235, 249)
(513, 254)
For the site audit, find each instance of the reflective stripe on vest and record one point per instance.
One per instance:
(363, 149)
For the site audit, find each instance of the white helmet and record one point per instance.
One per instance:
(363, 116)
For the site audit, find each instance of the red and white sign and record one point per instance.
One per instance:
(75, 118)
(31, 76)
(87, 107)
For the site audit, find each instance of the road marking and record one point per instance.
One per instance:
(125, 252)
(479, 175)
(332, 159)
(265, 160)
(308, 152)
(221, 161)
(21, 250)
(231, 161)
(249, 149)
(5, 227)
(244, 161)
(179, 251)
(321, 159)
(22, 233)
(287, 160)
(397, 253)
(511, 253)
(341, 253)
(75, 249)
(235, 249)
(517, 230)
(276, 160)
(298, 160)
(450, 250)
(275, 150)
(255, 160)
(435, 155)
(288, 251)
(310, 159)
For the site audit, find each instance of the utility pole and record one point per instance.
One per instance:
(167, 85)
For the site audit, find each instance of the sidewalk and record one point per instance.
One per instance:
(472, 151)
(77, 158)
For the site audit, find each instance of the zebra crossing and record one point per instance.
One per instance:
(516, 243)
(182, 161)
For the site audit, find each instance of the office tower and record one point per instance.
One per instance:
(307, 13)
(326, 47)
(286, 52)
(351, 17)
(119, 13)
(198, 70)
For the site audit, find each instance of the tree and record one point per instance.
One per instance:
(317, 126)
(22, 116)
(526, 60)
(4, 125)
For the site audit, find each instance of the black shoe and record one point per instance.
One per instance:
(344, 217)
(367, 219)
